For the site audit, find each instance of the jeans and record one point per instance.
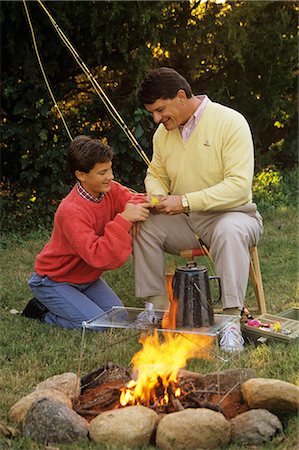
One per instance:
(70, 304)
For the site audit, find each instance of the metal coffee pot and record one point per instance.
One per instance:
(192, 290)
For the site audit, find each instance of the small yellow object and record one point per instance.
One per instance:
(277, 326)
(154, 201)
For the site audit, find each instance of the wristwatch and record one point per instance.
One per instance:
(185, 204)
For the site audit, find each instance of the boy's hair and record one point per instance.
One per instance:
(85, 152)
(162, 83)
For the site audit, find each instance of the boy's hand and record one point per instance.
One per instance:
(136, 213)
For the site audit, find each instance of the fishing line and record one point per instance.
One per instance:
(43, 71)
(99, 91)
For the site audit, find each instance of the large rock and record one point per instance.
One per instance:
(255, 427)
(274, 395)
(68, 382)
(50, 421)
(19, 410)
(193, 429)
(126, 427)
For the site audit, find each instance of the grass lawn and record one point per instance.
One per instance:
(31, 351)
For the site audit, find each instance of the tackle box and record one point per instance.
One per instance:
(287, 332)
(292, 313)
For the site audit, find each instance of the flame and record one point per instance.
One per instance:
(158, 362)
(157, 365)
(169, 318)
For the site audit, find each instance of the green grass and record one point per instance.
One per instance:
(31, 352)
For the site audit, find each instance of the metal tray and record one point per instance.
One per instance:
(137, 318)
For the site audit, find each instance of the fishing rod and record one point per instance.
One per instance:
(98, 89)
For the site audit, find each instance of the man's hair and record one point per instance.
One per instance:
(162, 83)
(85, 152)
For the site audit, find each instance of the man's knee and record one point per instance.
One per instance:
(230, 229)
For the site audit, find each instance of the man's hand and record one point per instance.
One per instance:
(136, 213)
(172, 204)
(155, 200)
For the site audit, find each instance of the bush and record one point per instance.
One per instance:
(273, 188)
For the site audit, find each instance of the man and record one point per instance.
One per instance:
(201, 172)
(92, 234)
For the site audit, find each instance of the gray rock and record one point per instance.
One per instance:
(19, 410)
(193, 429)
(274, 395)
(50, 421)
(255, 427)
(129, 427)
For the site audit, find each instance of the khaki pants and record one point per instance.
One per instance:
(229, 236)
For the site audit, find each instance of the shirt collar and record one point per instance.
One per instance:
(84, 194)
(189, 126)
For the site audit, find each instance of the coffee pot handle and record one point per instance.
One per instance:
(219, 287)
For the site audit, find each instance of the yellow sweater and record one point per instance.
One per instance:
(214, 168)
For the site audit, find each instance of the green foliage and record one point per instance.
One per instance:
(242, 54)
(273, 188)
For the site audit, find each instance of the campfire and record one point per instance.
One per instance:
(156, 365)
(155, 380)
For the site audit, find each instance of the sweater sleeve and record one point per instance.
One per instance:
(122, 195)
(157, 173)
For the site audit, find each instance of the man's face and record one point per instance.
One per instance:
(98, 179)
(170, 112)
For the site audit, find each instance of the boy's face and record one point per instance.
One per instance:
(98, 179)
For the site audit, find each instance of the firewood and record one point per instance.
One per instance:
(91, 412)
(176, 403)
(207, 404)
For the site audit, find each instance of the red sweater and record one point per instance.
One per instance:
(88, 237)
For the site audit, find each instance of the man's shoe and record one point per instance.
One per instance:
(159, 302)
(232, 339)
(35, 310)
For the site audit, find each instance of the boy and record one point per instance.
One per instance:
(92, 233)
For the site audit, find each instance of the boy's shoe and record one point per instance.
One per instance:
(232, 339)
(35, 310)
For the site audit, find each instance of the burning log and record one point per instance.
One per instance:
(176, 403)
(174, 399)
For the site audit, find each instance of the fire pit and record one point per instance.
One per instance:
(156, 381)
(105, 389)
(158, 401)
(166, 349)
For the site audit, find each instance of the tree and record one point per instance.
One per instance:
(243, 54)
